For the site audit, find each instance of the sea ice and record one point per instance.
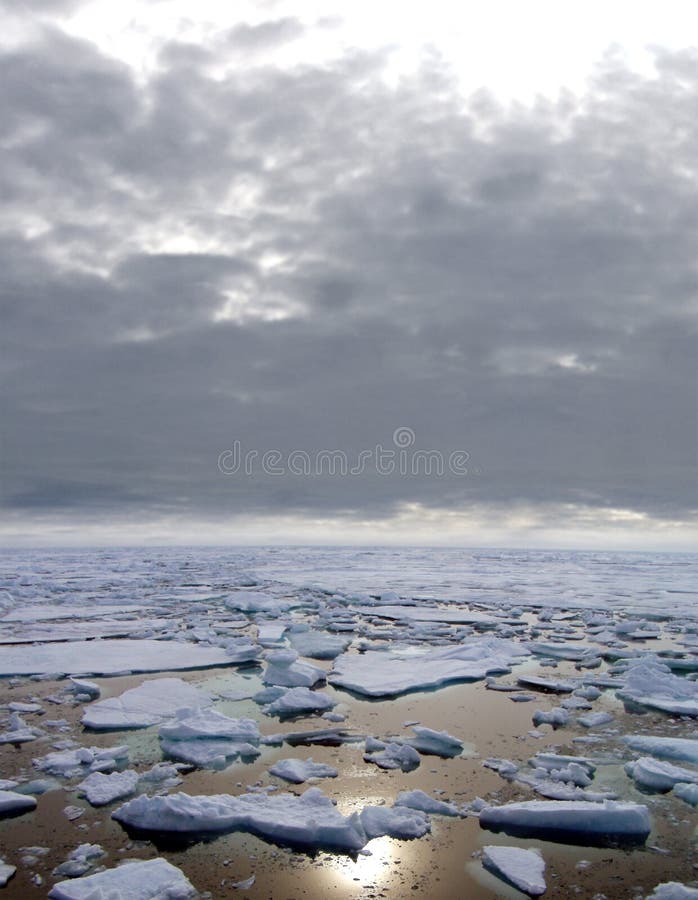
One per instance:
(318, 644)
(82, 760)
(394, 756)
(101, 789)
(298, 701)
(12, 803)
(551, 685)
(6, 872)
(436, 743)
(522, 868)
(571, 821)
(152, 879)
(654, 775)
(378, 673)
(19, 732)
(594, 720)
(679, 749)
(397, 822)
(109, 656)
(557, 717)
(673, 890)
(650, 683)
(420, 800)
(150, 703)
(192, 724)
(687, 792)
(285, 669)
(310, 820)
(299, 770)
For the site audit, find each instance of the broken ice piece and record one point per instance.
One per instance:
(521, 868)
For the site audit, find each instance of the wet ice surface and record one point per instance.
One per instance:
(281, 637)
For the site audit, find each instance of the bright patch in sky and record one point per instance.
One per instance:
(516, 50)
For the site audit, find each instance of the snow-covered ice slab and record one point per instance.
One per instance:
(299, 770)
(151, 703)
(524, 869)
(152, 879)
(206, 737)
(678, 749)
(572, 821)
(286, 670)
(673, 890)
(379, 673)
(107, 657)
(448, 615)
(397, 822)
(420, 800)
(13, 804)
(551, 685)
(311, 820)
(318, 644)
(655, 775)
(392, 755)
(651, 684)
(82, 760)
(101, 789)
(435, 743)
(298, 701)
(38, 612)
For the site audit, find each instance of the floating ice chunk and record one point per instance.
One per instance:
(588, 692)
(18, 706)
(420, 800)
(283, 668)
(436, 743)
(551, 761)
(310, 820)
(70, 763)
(299, 770)
(209, 723)
(318, 644)
(6, 872)
(300, 700)
(80, 861)
(679, 749)
(557, 717)
(523, 869)
(650, 683)
(152, 879)
(594, 720)
(450, 615)
(654, 775)
(571, 821)
(574, 652)
(255, 602)
(12, 803)
(687, 792)
(19, 732)
(209, 753)
(396, 822)
(149, 704)
(395, 756)
(101, 789)
(551, 685)
(388, 673)
(673, 890)
(106, 657)
(82, 686)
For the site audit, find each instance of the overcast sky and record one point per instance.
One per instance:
(306, 228)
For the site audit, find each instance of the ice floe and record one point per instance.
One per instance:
(299, 701)
(311, 820)
(72, 762)
(420, 800)
(108, 657)
(655, 775)
(377, 673)
(286, 670)
(12, 803)
(150, 703)
(679, 749)
(100, 788)
(524, 869)
(152, 879)
(435, 743)
(572, 821)
(299, 770)
(651, 684)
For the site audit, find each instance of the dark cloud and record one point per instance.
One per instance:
(307, 259)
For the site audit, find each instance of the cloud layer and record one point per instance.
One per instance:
(306, 258)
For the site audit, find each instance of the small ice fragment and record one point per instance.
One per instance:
(299, 770)
(12, 803)
(522, 868)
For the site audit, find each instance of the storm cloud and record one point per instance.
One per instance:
(309, 257)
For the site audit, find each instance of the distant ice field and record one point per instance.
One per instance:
(132, 578)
